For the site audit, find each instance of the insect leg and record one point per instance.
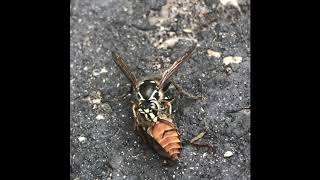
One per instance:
(135, 115)
(194, 141)
(167, 105)
(204, 145)
(199, 136)
(140, 122)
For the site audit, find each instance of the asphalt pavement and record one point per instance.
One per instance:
(150, 35)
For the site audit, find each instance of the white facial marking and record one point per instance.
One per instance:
(151, 97)
(156, 104)
(140, 97)
(152, 115)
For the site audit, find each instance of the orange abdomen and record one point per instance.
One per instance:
(168, 138)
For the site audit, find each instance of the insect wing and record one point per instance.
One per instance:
(169, 72)
(124, 68)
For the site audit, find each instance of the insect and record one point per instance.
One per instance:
(152, 110)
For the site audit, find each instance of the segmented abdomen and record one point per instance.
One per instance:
(168, 138)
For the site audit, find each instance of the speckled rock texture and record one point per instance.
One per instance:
(150, 35)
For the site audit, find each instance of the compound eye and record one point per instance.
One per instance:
(156, 95)
(139, 96)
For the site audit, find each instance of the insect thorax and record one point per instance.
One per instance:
(148, 90)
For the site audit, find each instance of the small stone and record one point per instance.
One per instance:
(232, 59)
(231, 2)
(100, 117)
(213, 53)
(187, 30)
(172, 33)
(169, 43)
(229, 70)
(204, 155)
(96, 101)
(228, 154)
(95, 72)
(81, 138)
(103, 70)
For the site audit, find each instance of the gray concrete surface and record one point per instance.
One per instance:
(150, 34)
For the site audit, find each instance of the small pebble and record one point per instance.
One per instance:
(213, 53)
(228, 154)
(81, 138)
(187, 30)
(96, 101)
(100, 117)
(232, 59)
